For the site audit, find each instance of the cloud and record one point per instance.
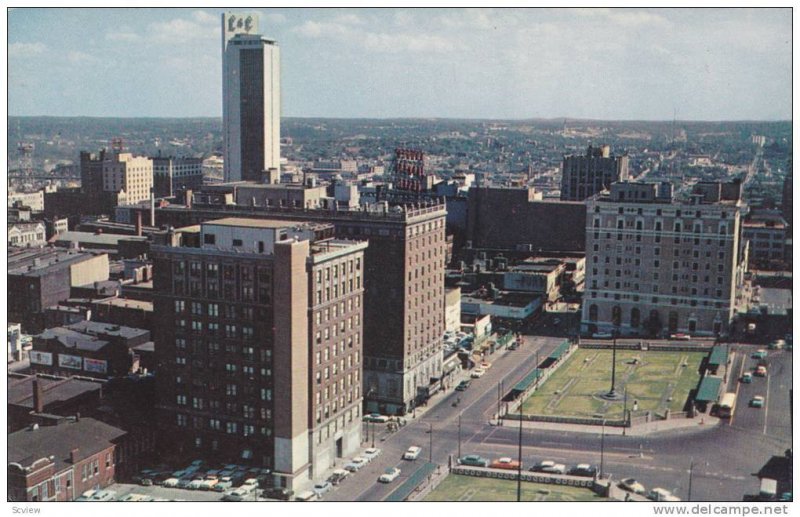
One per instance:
(26, 49)
(122, 36)
(76, 57)
(274, 18)
(202, 26)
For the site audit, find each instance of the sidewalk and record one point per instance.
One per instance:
(701, 422)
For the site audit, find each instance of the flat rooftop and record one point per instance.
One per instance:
(126, 303)
(54, 389)
(39, 261)
(246, 222)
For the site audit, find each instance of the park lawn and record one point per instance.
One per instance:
(658, 377)
(457, 488)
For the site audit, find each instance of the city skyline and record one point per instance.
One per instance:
(390, 63)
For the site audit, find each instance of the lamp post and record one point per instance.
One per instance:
(459, 434)
(430, 448)
(519, 457)
(602, 447)
(691, 470)
(613, 393)
(372, 423)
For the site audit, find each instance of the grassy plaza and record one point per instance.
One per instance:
(457, 488)
(656, 380)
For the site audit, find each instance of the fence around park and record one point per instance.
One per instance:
(530, 477)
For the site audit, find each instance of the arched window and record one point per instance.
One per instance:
(635, 318)
(616, 316)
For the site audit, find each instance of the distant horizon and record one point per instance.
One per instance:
(631, 64)
(481, 119)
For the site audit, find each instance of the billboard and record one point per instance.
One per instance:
(238, 23)
(95, 365)
(74, 362)
(37, 357)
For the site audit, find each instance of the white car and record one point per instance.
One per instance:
(171, 482)
(356, 464)
(477, 373)
(660, 494)
(412, 453)
(631, 485)
(389, 475)
(195, 484)
(322, 487)
(371, 453)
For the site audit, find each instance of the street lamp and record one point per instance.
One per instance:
(519, 457)
(373, 433)
(691, 469)
(430, 448)
(613, 393)
(459, 434)
(602, 447)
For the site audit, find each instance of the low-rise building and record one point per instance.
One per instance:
(767, 232)
(60, 462)
(28, 235)
(452, 309)
(34, 399)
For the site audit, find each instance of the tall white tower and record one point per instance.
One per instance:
(251, 99)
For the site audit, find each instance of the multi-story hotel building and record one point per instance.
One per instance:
(251, 99)
(259, 345)
(403, 278)
(584, 176)
(657, 265)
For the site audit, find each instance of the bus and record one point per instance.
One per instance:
(726, 405)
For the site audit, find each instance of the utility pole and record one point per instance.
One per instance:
(691, 469)
(519, 457)
(459, 435)
(372, 423)
(430, 448)
(602, 447)
(612, 393)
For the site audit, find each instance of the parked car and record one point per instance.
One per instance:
(477, 373)
(371, 453)
(463, 385)
(322, 488)
(338, 476)
(377, 418)
(549, 467)
(209, 483)
(662, 495)
(356, 464)
(195, 484)
(505, 463)
(223, 484)
(389, 475)
(146, 482)
(240, 494)
(680, 336)
(631, 485)
(171, 482)
(473, 460)
(307, 495)
(757, 401)
(583, 470)
(777, 344)
(412, 453)
(747, 378)
(279, 493)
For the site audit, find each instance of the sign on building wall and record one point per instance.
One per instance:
(95, 365)
(41, 357)
(74, 362)
(239, 23)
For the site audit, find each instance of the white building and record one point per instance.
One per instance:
(133, 175)
(251, 106)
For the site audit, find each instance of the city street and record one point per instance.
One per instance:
(722, 458)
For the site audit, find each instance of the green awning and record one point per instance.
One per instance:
(709, 389)
(404, 490)
(529, 379)
(719, 356)
(559, 351)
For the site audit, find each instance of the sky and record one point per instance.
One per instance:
(598, 63)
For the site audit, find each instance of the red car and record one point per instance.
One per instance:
(505, 463)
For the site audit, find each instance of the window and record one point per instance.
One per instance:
(237, 242)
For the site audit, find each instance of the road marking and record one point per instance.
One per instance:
(766, 404)
(738, 385)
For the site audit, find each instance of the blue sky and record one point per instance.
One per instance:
(708, 64)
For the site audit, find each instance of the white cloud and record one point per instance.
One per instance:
(26, 49)
(205, 18)
(77, 57)
(274, 18)
(122, 36)
(180, 30)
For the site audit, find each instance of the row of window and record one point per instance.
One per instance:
(215, 424)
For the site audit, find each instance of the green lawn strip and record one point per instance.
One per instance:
(650, 382)
(468, 488)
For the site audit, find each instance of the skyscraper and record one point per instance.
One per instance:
(251, 106)
(584, 176)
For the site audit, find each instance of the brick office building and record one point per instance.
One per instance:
(259, 345)
(404, 286)
(59, 462)
(655, 264)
